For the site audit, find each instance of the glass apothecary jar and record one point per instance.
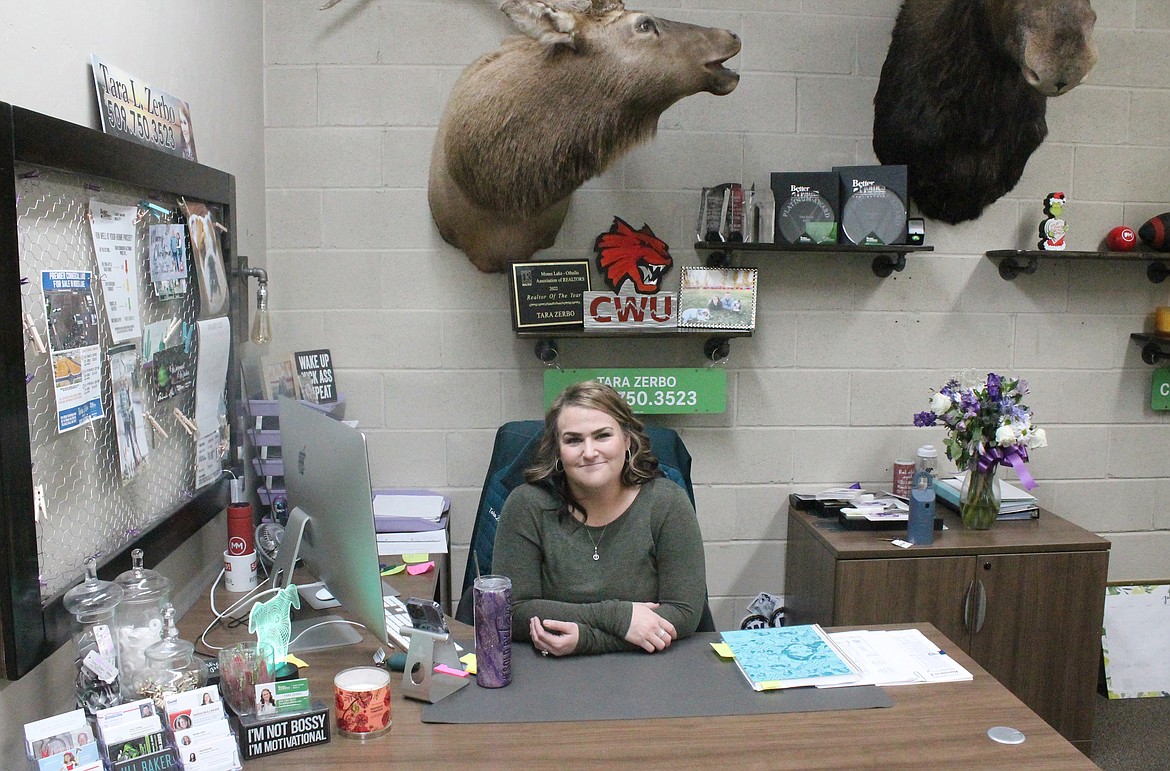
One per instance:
(171, 666)
(94, 604)
(139, 618)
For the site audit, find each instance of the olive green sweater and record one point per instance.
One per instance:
(653, 552)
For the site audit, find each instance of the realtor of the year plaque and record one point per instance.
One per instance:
(548, 294)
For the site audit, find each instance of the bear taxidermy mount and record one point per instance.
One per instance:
(963, 92)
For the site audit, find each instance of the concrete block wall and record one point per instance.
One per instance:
(824, 392)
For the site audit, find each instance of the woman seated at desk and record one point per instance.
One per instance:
(604, 552)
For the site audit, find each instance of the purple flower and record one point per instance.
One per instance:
(993, 386)
(923, 419)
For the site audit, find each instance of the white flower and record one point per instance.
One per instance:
(1005, 436)
(1036, 438)
(939, 403)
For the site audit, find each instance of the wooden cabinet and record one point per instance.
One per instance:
(1024, 599)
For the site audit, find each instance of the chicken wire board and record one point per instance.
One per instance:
(1135, 640)
(90, 507)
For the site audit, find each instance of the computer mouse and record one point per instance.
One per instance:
(323, 595)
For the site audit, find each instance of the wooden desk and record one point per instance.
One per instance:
(1025, 599)
(929, 726)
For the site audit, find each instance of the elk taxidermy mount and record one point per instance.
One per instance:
(963, 92)
(529, 123)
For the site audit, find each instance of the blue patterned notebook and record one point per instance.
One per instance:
(789, 657)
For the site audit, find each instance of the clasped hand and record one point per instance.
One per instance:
(648, 630)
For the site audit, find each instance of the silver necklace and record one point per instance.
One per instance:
(596, 543)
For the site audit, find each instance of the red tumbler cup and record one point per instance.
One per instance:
(241, 537)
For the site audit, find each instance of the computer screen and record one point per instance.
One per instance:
(331, 520)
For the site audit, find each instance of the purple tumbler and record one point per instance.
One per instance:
(493, 630)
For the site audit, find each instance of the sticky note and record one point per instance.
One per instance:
(394, 570)
(723, 649)
(295, 661)
(443, 669)
(412, 558)
(418, 570)
(469, 663)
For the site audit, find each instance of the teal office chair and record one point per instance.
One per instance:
(512, 453)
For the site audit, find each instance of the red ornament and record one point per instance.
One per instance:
(1121, 239)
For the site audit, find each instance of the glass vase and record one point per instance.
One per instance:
(979, 498)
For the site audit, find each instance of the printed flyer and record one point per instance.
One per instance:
(114, 244)
(73, 346)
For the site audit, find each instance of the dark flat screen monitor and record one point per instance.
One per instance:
(331, 521)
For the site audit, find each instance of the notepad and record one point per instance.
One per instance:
(789, 657)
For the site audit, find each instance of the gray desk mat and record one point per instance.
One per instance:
(687, 680)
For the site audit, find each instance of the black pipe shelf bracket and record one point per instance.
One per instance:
(1013, 262)
(716, 346)
(1155, 348)
(886, 259)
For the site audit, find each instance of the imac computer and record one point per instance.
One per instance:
(331, 523)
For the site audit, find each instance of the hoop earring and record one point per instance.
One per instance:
(629, 455)
(558, 467)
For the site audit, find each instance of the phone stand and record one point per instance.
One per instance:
(427, 650)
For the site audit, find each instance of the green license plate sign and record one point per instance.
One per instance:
(1160, 393)
(650, 391)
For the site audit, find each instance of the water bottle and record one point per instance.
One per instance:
(926, 459)
(920, 527)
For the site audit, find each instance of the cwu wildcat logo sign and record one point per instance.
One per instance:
(633, 263)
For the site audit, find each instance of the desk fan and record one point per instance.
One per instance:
(268, 538)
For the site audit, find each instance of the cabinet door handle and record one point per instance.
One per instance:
(980, 606)
(967, 607)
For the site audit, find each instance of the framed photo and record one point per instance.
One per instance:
(549, 294)
(279, 377)
(717, 298)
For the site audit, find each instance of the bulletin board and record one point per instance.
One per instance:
(1135, 640)
(91, 505)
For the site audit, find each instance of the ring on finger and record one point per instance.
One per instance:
(662, 633)
(543, 652)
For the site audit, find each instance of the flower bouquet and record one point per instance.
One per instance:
(987, 426)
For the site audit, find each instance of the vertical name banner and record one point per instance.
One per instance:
(142, 113)
(650, 391)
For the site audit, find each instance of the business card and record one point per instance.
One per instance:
(201, 714)
(52, 735)
(131, 729)
(202, 734)
(219, 755)
(177, 702)
(282, 698)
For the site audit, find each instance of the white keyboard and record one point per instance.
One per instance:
(396, 618)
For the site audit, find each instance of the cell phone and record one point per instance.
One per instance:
(426, 615)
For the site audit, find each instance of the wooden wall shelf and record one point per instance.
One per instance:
(886, 259)
(1013, 262)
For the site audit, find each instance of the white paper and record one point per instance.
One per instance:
(207, 460)
(898, 657)
(415, 506)
(215, 338)
(114, 244)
